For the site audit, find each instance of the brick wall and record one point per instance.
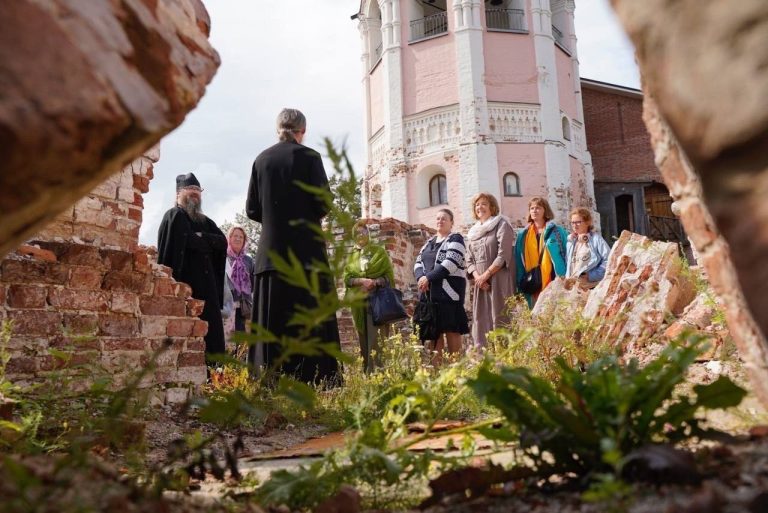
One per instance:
(617, 138)
(91, 291)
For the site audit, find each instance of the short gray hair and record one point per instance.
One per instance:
(290, 121)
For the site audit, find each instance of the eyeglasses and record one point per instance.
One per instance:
(193, 188)
(577, 223)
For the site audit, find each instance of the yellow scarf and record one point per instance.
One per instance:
(531, 256)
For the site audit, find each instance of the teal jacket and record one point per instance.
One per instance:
(555, 238)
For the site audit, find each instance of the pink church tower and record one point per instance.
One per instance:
(464, 96)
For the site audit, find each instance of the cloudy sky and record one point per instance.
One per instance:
(305, 54)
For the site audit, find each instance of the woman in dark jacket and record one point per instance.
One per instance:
(442, 279)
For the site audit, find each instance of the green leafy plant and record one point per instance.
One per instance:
(588, 421)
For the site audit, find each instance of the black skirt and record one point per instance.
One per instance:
(450, 318)
(274, 304)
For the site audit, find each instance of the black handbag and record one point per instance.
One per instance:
(386, 305)
(425, 319)
(530, 282)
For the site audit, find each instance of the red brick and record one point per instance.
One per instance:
(180, 327)
(81, 254)
(72, 299)
(191, 360)
(195, 375)
(118, 325)
(196, 344)
(140, 257)
(163, 270)
(117, 260)
(35, 322)
(75, 344)
(164, 287)
(85, 278)
(33, 271)
(169, 306)
(120, 361)
(27, 296)
(36, 253)
(50, 363)
(141, 183)
(129, 281)
(124, 302)
(182, 290)
(3, 290)
(194, 307)
(21, 365)
(135, 214)
(152, 326)
(126, 344)
(697, 224)
(81, 324)
(200, 329)
(138, 200)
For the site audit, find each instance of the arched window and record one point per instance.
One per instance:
(566, 129)
(438, 191)
(511, 185)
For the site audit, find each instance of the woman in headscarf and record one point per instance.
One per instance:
(491, 264)
(368, 266)
(540, 244)
(587, 250)
(240, 276)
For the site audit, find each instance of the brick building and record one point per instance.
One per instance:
(629, 190)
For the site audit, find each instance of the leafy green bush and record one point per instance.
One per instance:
(587, 421)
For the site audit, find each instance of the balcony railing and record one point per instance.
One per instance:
(505, 19)
(559, 38)
(429, 26)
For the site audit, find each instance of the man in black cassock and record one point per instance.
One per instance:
(287, 214)
(193, 246)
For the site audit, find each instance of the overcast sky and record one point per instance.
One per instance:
(305, 54)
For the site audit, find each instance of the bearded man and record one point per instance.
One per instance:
(196, 249)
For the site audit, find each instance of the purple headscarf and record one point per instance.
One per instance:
(239, 272)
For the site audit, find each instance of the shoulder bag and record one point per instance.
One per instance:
(386, 305)
(425, 318)
(530, 282)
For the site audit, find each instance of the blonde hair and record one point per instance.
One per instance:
(232, 230)
(492, 202)
(538, 200)
(289, 123)
(585, 214)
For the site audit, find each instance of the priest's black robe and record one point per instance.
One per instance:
(287, 213)
(199, 261)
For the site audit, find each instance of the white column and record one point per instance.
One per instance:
(555, 150)
(365, 59)
(478, 162)
(394, 202)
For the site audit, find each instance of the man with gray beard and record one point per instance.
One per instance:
(196, 249)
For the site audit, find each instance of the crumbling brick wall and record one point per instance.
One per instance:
(92, 292)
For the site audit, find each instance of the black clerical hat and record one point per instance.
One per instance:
(186, 181)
